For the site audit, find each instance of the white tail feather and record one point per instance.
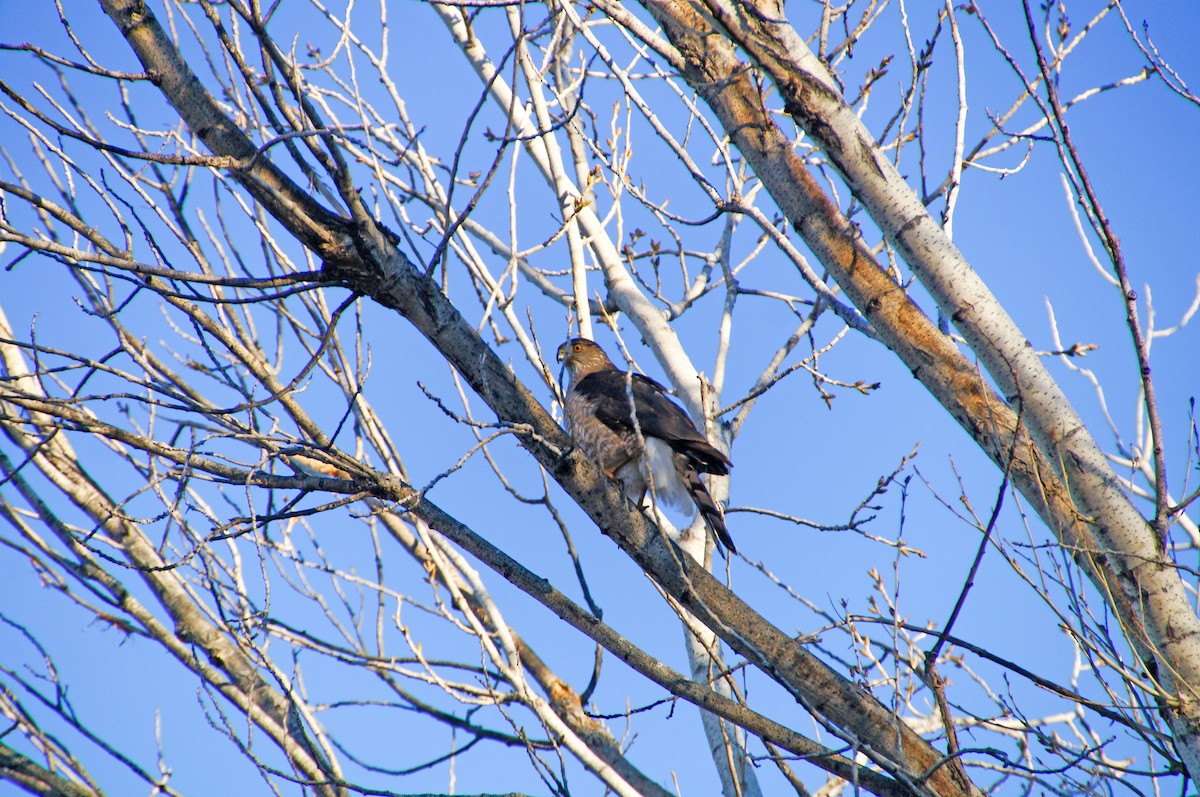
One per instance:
(668, 487)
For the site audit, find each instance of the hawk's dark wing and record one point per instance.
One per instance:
(657, 416)
(665, 446)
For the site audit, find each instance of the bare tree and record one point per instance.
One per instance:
(285, 417)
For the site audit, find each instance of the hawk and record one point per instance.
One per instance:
(674, 453)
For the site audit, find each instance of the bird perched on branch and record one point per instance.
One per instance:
(654, 446)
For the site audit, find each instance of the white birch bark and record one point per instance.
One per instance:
(726, 742)
(1165, 629)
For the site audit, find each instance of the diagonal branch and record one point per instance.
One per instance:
(1059, 468)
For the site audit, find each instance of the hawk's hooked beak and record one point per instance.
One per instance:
(561, 356)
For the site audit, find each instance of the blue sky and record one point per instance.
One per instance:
(795, 454)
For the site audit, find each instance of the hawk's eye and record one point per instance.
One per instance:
(578, 347)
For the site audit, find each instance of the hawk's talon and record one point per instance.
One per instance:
(561, 463)
(612, 472)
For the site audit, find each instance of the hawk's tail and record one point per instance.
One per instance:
(707, 506)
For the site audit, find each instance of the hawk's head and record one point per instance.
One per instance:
(581, 357)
